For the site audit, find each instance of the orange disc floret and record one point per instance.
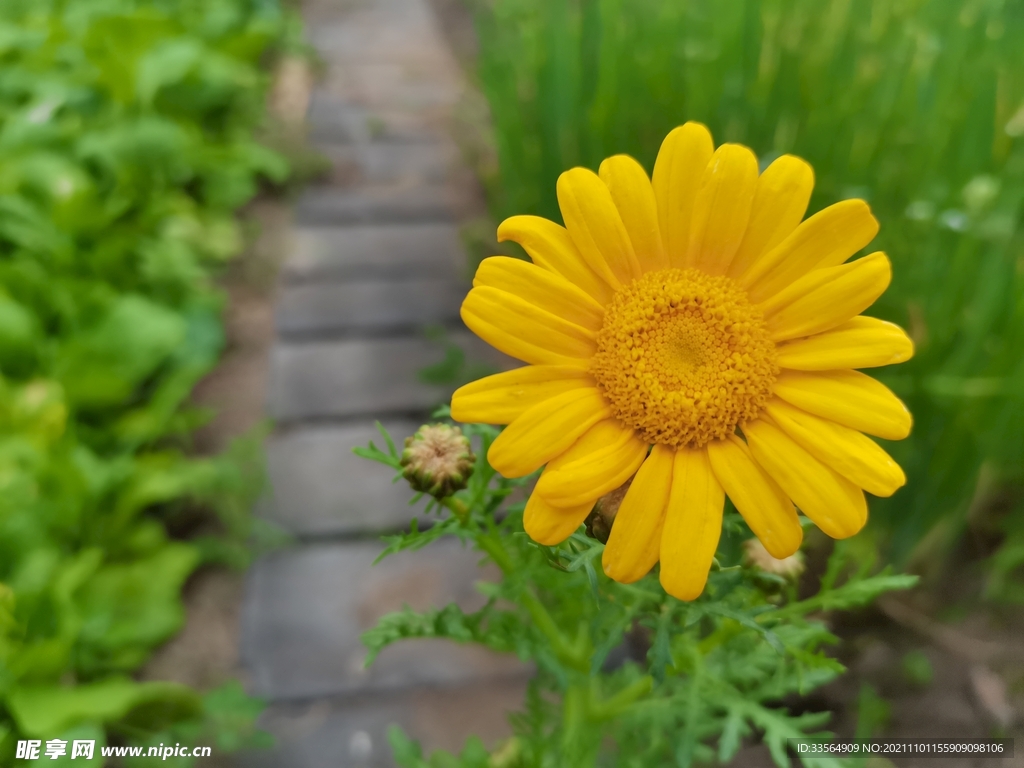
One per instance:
(683, 357)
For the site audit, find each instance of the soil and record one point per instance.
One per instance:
(204, 654)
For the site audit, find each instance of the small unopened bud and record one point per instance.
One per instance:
(437, 460)
(509, 755)
(757, 556)
(599, 521)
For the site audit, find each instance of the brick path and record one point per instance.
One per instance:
(375, 258)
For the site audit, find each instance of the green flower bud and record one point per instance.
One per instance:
(756, 556)
(509, 755)
(437, 460)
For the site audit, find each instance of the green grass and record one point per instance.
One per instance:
(915, 106)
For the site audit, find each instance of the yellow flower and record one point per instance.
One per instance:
(677, 313)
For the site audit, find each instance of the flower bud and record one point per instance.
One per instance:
(757, 556)
(509, 755)
(437, 460)
(599, 521)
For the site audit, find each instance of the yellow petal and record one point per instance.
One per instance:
(766, 508)
(545, 431)
(548, 290)
(550, 525)
(596, 227)
(850, 398)
(826, 298)
(635, 541)
(828, 238)
(836, 505)
(780, 201)
(684, 155)
(503, 397)
(721, 209)
(850, 453)
(693, 525)
(616, 457)
(524, 331)
(633, 196)
(860, 342)
(550, 247)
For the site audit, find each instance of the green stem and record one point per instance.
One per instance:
(575, 704)
(457, 507)
(819, 602)
(571, 655)
(616, 704)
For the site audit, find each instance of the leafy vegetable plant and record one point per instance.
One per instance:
(126, 145)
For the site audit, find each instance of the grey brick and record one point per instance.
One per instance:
(365, 204)
(352, 732)
(429, 162)
(361, 306)
(381, 250)
(320, 487)
(332, 120)
(396, 84)
(306, 608)
(339, 379)
(399, 30)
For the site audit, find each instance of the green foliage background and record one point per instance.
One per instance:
(126, 144)
(916, 106)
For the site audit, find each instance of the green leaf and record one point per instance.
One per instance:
(42, 711)
(127, 609)
(497, 630)
(105, 365)
(747, 621)
(407, 753)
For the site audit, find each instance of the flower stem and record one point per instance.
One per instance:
(570, 654)
(573, 655)
(457, 508)
(617, 703)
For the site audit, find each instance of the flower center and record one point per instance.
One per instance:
(683, 357)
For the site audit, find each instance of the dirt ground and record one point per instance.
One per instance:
(205, 653)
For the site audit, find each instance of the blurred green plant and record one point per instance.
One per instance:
(917, 668)
(626, 675)
(126, 145)
(915, 105)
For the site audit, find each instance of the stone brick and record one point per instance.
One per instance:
(306, 608)
(395, 31)
(393, 85)
(319, 487)
(375, 250)
(365, 204)
(375, 377)
(352, 732)
(423, 162)
(367, 306)
(332, 121)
